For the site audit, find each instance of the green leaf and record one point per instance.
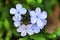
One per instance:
(1, 24)
(15, 1)
(39, 1)
(26, 6)
(50, 36)
(38, 37)
(1, 34)
(5, 13)
(22, 39)
(8, 35)
(15, 32)
(1, 38)
(57, 32)
(6, 24)
(30, 1)
(7, 38)
(52, 3)
(25, 38)
(1, 5)
(50, 11)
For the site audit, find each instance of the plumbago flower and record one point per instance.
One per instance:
(24, 29)
(38, 19)
(35, 28)
(18, 10)
(17, 14)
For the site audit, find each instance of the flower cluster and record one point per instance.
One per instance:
(37, 19)
(24, 29)
(17, 14)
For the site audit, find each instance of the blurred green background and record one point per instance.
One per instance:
(7, 29)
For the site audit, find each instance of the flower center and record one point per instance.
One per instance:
(25, 19)
(36, 16)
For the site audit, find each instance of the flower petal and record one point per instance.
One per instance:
(39, 22)
(16, 24)
(29, 25)
(32, 27)
(15, 18)
(32, 14)
(38, 11)
(33, 20)
(44, 22)
(41, 27)
(23, 33)
(18, 6)
(23, 11)
(43, 15)
(20, 29)
(30, 31)
(18, 16)
(36, 30)
(13, 11)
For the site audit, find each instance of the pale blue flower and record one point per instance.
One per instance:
(17, 20)
(25, 29)
(35, 28)
(38, 17)
(17, 23)
(17, 14)
(18, 9)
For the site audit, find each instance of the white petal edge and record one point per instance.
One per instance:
(36, 30)
(16, 24)
(44, 22)
(43, 15)
(32, 14)
(13, 11)
(38, 11)
(15, 18)
(20, 29)
(18, 6)
(30, 31)
(41, 27)
(23, 11)
(23, 33)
